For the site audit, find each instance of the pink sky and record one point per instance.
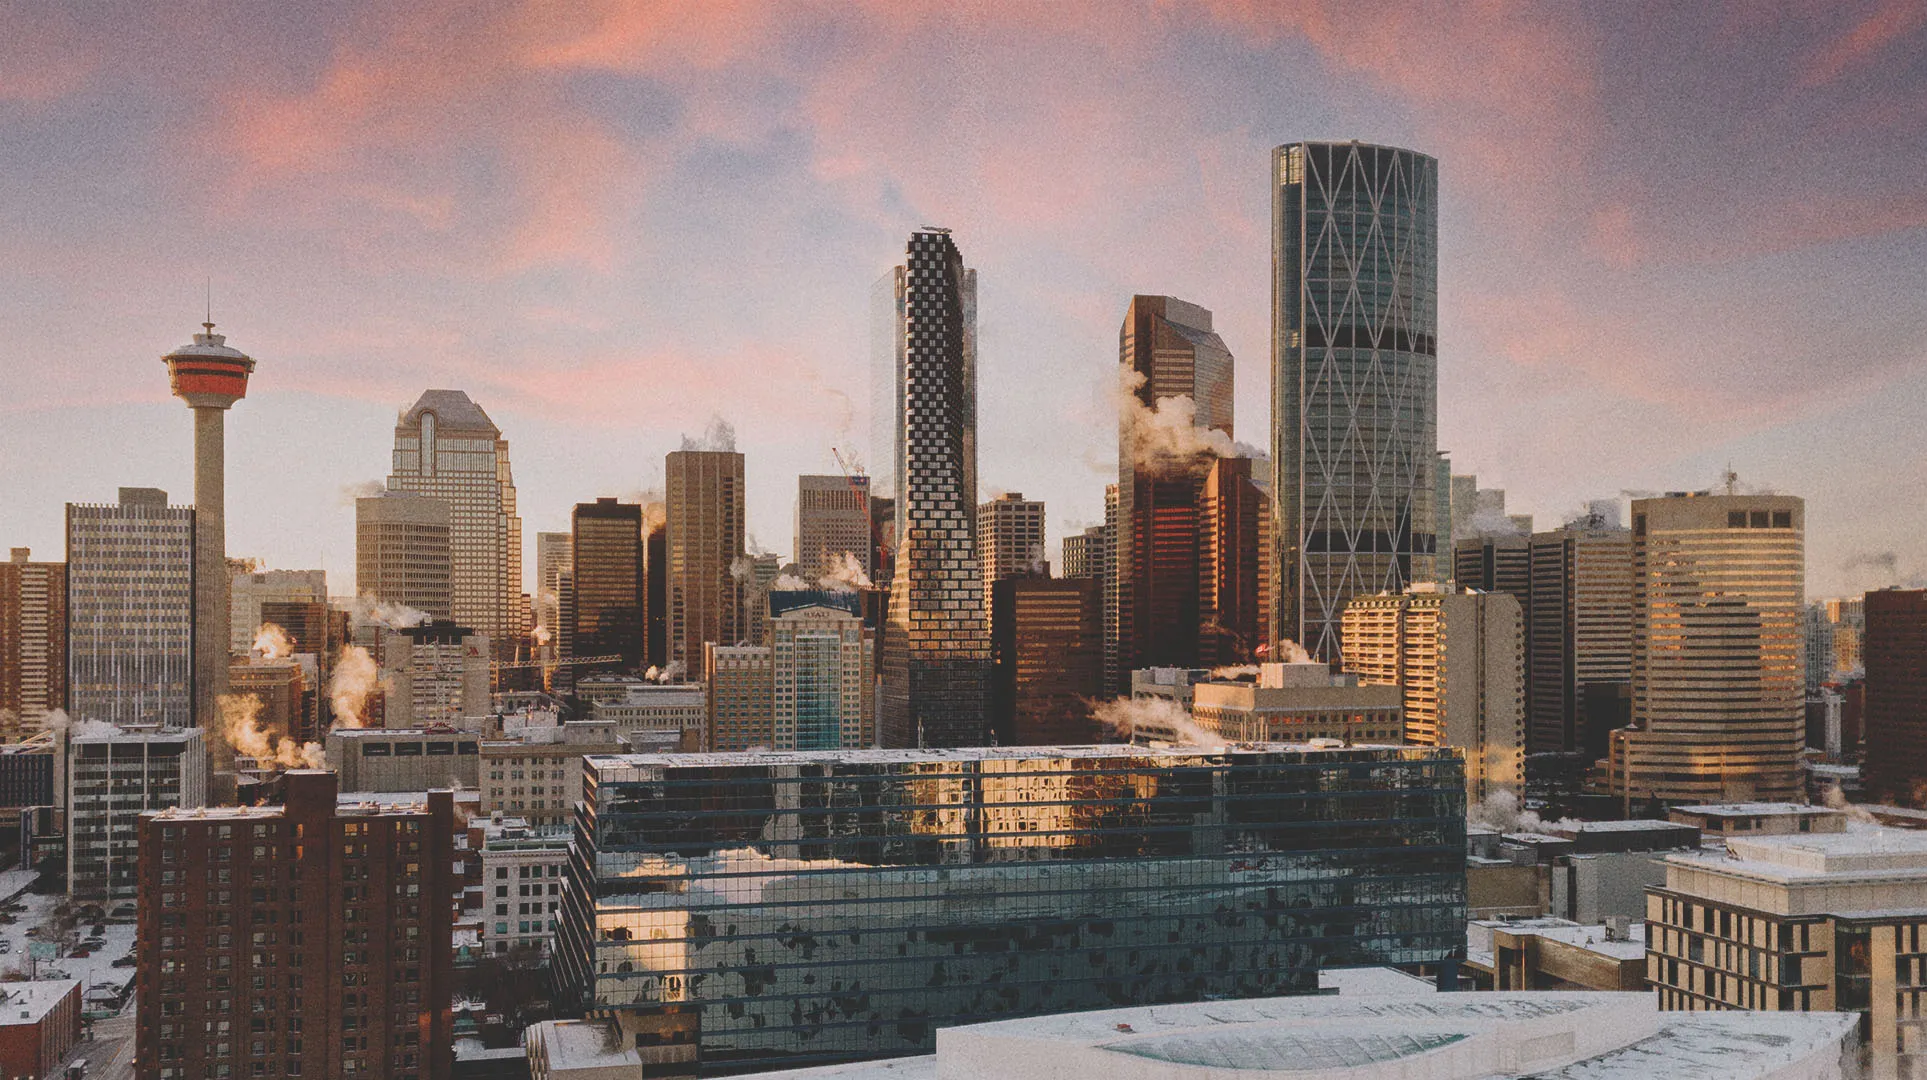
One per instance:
(1673, 237)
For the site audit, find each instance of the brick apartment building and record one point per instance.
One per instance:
(305, 940)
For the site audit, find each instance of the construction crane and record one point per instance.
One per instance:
(504, 665)
(851, 471)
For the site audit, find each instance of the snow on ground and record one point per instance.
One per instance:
(92, 970)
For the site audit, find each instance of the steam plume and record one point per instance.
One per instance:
(1234, 671)
(1157, 718)
(365, 489)
(845, 575)
(1500, 810)
(787, 582)
(395, 616)
(720, 437)
(1165, 435)
(241, 722)
(272, 642)
(355, 677)
(1290, 652)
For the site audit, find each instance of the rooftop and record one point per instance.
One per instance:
(1753, 809)
(1869, 852)
(1566, 1035)
(452, 409)
(579, 1044)
(1118, 751)
(28, 1002)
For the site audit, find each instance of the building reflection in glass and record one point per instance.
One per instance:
(803, 907)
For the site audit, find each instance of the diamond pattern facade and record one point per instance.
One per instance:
(936, 652)
(1354, 380)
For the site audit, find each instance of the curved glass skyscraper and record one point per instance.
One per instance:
(1354, 362)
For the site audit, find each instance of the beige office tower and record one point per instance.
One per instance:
(250, 589)
(130, 611)
(434, 674)
(33, 643)
(1579, 652)
(823, 671)
(554, 575)
(447, 448)
(832, 521)
(1010, 540)
(739, 683)
(1460, 660)
(403, 552)
(704, 507)
(1718, 684)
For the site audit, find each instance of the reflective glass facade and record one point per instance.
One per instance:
(795, 908)
(1354, 364)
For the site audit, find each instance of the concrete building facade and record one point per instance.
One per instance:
(115, 776)
(447, 448)
(1718, 686)
(703, 538)
(1459, 659)
(738, 687)
(832, 521)
(404, 551)
(823, 673)
(435, 673)
(1010, 540)
(1300, 702)
(130, 611)
(1579, 624)
(33, 643)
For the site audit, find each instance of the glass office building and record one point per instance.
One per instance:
(742, 910)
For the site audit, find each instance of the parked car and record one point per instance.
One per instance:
(125, 961)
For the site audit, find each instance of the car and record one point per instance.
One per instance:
(125, 961)
(81, 954)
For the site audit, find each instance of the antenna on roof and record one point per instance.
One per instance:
(210, 304)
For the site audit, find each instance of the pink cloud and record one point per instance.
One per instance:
(1893, 21)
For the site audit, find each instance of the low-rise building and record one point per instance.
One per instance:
(521, 883)
(1556, 954)
(538, 777)
(405, 759)
(39, 1024)
(1297, 703)
(1820, 922)
(118, 774)
(680, 709)
(1759, 818)
(579, 1050)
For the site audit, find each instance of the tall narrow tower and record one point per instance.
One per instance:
(210, 377)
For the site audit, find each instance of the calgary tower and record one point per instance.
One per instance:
(210, 377)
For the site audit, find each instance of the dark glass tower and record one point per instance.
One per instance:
(611, 602)
(936, 659)
(1354, 362)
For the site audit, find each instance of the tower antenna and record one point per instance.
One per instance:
(210, 304)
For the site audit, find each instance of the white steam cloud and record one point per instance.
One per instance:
(366, 608)
(719, 437)
(241, 722)
(272, 643)
(1153, 718)
(845, 575)
(355, 678)
(1166, 435)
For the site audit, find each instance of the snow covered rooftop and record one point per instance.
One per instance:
(1570, 1035)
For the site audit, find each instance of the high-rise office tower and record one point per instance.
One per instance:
(883, 541)
(1085, 554)
(552, 558)
(33, 643)
(210, 377)
(936, 663)
(1231, 624)
(1579, 625)
(1896, 696)
(655, 544)
(832, 521)
(116, 776)
(1495, 563)
(1010, 540)
(435, 673)
(249, 589)
(330, 953)
(890, 339)
(739, 685)
(1460, 660)
(611, 610)
(704, 537)
(1354, 364)
(1717, 684)
(404, 551)
(130, 611)
(1176, 419)
(1047, 638)
(1442, 521)
(822, 667)
(755, 575)
(447, 448)
(1117, 677)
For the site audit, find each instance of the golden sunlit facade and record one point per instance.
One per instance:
(1718, 676)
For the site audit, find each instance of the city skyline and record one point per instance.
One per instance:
(526, 300)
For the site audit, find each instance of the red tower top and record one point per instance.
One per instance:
(208, 374)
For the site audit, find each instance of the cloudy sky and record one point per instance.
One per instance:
(1673, 237)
